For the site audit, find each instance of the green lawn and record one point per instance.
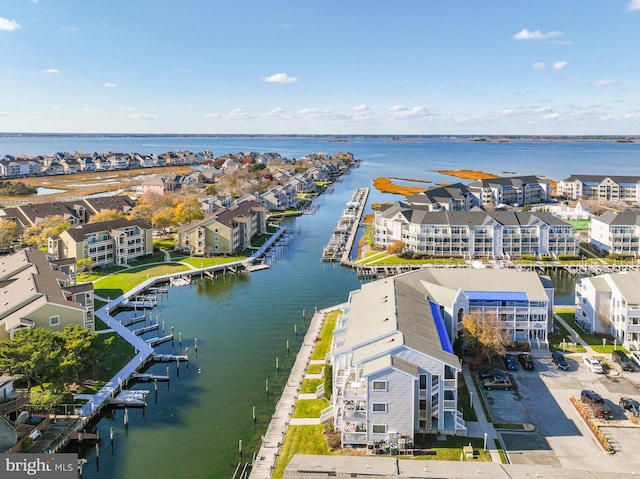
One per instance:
(300, 440)
(593, 340)
(315, 368)
(116, 284)
(213, 261)
(451, 449)
(324, 343)
(310, 407)
(309, 386)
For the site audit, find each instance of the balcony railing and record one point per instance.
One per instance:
(354, 437)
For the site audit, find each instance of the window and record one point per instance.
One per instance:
(423, 381)
(379, 428)
(379, 385)
(54, 320)
(379, 407)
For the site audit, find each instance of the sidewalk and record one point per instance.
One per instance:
(482, 426)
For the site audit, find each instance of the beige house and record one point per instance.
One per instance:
(109, 242)
(35, 292)
(223, 232)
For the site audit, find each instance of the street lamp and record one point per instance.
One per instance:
(471, 399)
(485, 441)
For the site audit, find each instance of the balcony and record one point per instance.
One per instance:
(354, 438)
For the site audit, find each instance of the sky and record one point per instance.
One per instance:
(469, 67)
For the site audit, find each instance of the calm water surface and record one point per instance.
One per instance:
(243, 323)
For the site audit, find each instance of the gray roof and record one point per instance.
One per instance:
(626, 218)
(438, 194)
(600, 178)
(629, 285)
(506, 181)
(80, 233)
(420, 215)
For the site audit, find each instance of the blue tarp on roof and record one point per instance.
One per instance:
(441, 328)
(497, 296)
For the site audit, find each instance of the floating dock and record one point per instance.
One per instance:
(149, 378)
(344, 234)
(129, 398)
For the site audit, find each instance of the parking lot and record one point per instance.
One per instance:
(560, 437)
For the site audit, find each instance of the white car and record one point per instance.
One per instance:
(635, 357)
(593, 364)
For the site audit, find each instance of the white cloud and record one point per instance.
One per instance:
(600, 83)
(141, 116)
(5, 113)
(632, 115)
(634, 5)
(559, 65)
(8, 25)
(239, 114)
(277, 114)
(279, 78)
(525, 34)
(362, 107)
(539, 66)
(401, 111)
(212, 115)
(110, 85)
(52, 71)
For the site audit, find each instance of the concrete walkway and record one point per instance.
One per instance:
(482, 426)
(265, 461)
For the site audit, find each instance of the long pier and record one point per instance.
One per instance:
(344, 234)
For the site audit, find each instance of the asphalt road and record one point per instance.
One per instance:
(561, 438)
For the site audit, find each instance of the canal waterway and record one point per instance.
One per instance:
(243, 323)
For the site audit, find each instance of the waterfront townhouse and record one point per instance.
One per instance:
(105, 243)
(394, 370)
(616, 233)
(516, 190)
(12, 168)
(610, 304)
(456, 197)
(226, 231)
(473, 234)
(86, 164)
(36, 293)
(601, 188)
(280, 198)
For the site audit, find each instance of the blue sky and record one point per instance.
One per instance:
(321, 67)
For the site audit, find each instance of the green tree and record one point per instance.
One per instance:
(163, 218)
(85, 264)
(77, 344)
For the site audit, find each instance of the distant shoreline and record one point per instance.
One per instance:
(391, 137)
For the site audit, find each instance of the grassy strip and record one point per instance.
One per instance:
(117, 283)
(300, 440)
(213, 261)
(315, 368)
(593, 340)
(451, 449)
(324, 342)
(310, 408)
(464, 401)
(309, 386)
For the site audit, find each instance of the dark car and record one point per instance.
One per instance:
(494, 373)
(630, 405)
(559, 360)
(510, 361)
(527, 361)
(596, 404)
(590, 397)
(503, 382)
(622, 359)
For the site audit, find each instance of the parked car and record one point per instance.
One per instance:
(510, 361)
(559, 360)
(596, 404)
(502, 382)
(630, 405)
(527, 361)
(622, 359)
(593, 364)
(635, 357)
(494, 373)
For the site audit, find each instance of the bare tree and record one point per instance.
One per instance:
(485, 334)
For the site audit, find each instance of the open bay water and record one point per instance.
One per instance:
(243, 323)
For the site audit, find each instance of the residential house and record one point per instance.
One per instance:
(12, 168)
(394, 370)
(37, 294)
(70, 165)
(516, 190)
(601, 188)
(86, 164)
(473, 234)
(225, 231)
(105, 243)
(610, 304)
(456, 197)
(616, 233)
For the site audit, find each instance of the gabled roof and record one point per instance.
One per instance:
(600, 178)
(627, 218)
(80, 233)
(506, 181)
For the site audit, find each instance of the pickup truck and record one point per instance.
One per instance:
(598, 406)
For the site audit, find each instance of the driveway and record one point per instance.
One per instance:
(561, 438)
